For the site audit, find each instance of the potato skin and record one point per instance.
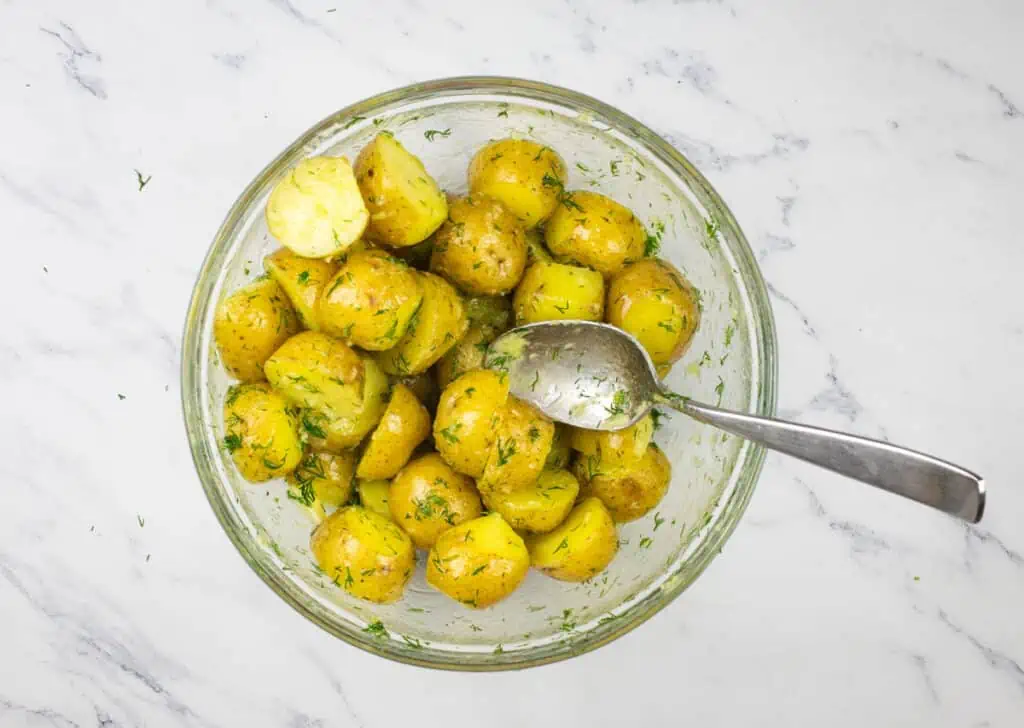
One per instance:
(595, 231)
(302, 280)
(522, 441)
(555, 291)
(250, 324)
(427, 498)
(479, 562)
(467, 414)
(373, 495)
(316, 210)
(370, 301)
(628, 491)
(481, 248)
(539, 507)
(621, 447)
(404, 201)
(261, 432)
(438, 325)
(653, 301)
(323, 479)
(364, 553)
(319, 372)
(582, 546)
(524, 175)
(404, 425)
(335, 432)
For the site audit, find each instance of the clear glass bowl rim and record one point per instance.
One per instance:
(750, 462)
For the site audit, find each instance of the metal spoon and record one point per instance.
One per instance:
(596, 376)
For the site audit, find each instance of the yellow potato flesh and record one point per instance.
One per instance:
(581, 547)
(404, 425)
(539, 507)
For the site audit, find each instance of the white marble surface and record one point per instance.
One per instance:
(873, 152)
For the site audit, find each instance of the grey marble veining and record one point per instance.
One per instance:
(872, 151)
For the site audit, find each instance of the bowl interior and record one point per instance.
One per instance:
(730, 361)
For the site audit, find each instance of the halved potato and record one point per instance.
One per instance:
(373, 495)
(526, 176)
(261, 432)
(345, 431)
(404, 425)
(582, 546)
(319, 372)
(467, 416)
(250, 324)
(628, 491)
(323, 480)
(621, 447)
(302, 280)
(427, 498)
(555, 291)
(539, 507)
(522, 441)
(595, 231)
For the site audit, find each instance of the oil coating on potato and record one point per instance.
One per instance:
(438, 325)
(364, 553)
(467, 415)
(405, 203)
(479, 562)
(405, 424)
(316, 211)
(427, 498)
(465, 356)
(595, 231)
(373, 495)
(371, 300)
(334, 432)
(628, 491)
(250, 324)
(614, 448)
(522, 441)
(261, 432)
(319, 372)
(653, 301)
(481, 248)
(582, 546)
(538, 507)
(323, 480)
(524, 175)
(555, 291)
(302, 279)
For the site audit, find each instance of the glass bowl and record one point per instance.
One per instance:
(731, 361)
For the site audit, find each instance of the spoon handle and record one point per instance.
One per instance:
(912, 474)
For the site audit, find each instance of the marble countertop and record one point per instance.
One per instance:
(873, 151)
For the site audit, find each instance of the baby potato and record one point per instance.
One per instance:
(479, 562)
(316, 211)
(538, 507)
(524, 175)
(261, 432)
(405, 203)
(427, 498)
(481, 248)
(373, 495)
(522, 441)
(582, 546)
(405, 424)
(491, 311)
(595, 231)
(653, 301)
(318, 372)
(559, 456)
(346, 430)
(250, 324)
(438, 325)
(621, 447)
(364, 553)
(465, 356)
(467, 413)
(322, 480)
(302, 280)
(555, 291)
(628, 491)
(371, 300)
(535, 250)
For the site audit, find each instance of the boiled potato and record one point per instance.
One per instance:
(318, 372)
(628, 491)
(405, 203)
(596, 231)
(522, 441)
(316, 211)
(427, 498)
(371, 300)
(540, 506)
(261, 432)
(336, 432)
(481, 248)
(582, 546)
(653, 301)
(535, 249)
(555, 291)
(250, 324)
(373, 495)
(467, 415)
(620, 447)
(465, 356)
(405, 424)
(478, 562)
(302, 280)
(559, 456)
(364, 553)
(494, 312)
(524, 175)
(323, 480)
(438, 325)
